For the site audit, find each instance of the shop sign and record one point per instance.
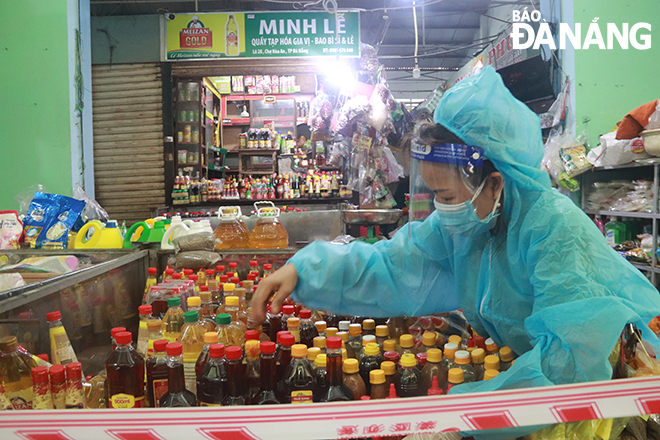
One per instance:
(204, 36)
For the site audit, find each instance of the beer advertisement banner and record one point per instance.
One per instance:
(204, 36)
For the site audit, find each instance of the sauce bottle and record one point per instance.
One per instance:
(421, 360)
(478, 355)
(490, 374)
(435, 389)
(41, 398)
(177, 395)
(392, 356)
(312, 353)
(143, 332)
(428, 341)
(336, 390)
(173, 319)
(382, 334)
(491, 348)
(455, 377)
(152, 280)
(299, 384)
(235, 377)
(389, 345)
(319, 368)
(275, 323)
(268, 365)
(331, 331)
(506, 358)
(320, 343)
(366, 339)
(390, 372)
(16, 371)
(450, 351)
(156, 367)
(125, 369)
(268, 269)
(58, 386)
(352, 378)
(207, 308)
(293, 326)
(369, 327)
(370, 361)
(492, 362)
(408, 379)
(288, 311)
(378, 384)
(407, 344)
(209, 339)
(252, 368)
(455, 339)
(61, 351)
(462, 360)
(192, 342)
(212, 381)
(354, 345)
(307, 329)
(286, 343)
(434, 369)
(320, 327)
(155, 332)
(75, 396)
(237, 327)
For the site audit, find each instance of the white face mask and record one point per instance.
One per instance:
(463, 217)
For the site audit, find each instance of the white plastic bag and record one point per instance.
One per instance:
(613, 151)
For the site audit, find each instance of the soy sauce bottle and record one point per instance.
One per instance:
(307, 328)
(212, 381)
(177, 395)
(299, 384)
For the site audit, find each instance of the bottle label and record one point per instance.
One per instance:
(21, 399)
(124, 401)
(160, 389)
(304, 396)
(61, 347)
(190, 376)
(209, 404)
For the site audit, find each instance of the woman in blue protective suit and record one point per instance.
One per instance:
(526, 266)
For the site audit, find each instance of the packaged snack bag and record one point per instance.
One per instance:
(11, 230)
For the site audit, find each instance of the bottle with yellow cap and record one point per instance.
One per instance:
(207, 309)
(449, 352)
(490, 374)
(320, 327)
(370, 361)
(299, 383)
(352, 378)
(319, 342)
(331, 331)
(492, 362)
(369, 327)
(462, 361)
(293, 326)
(434, 368)
(456, 339)
(389, 368)
(506, 358)
(312, 353)
(209, 338)
(428, 341)
(321, 373)
(382, 334)
(238, 327)
(227, 290)
(407, 344)
(354, 344)
(478, 356)
(389, 345)
(378, 384)
(194, 304)
(344, 338)
(492, 348)
(408, 379)
(366, 339)
(454, 377)
(252, 369)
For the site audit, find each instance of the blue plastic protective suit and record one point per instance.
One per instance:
(546, 284)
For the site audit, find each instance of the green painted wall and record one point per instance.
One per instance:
(610, 83)
(35, 127)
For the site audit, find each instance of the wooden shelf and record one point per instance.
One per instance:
(228, 122)
(257, 150)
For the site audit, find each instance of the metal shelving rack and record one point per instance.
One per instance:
(629, 171)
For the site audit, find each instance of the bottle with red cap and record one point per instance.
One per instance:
(235, 377)
(177, 395)
(268, 270)
(233, 268)
(210, 275)
(286, 341)
(336, 390)
(298, 384)
(57, 386)
(219, 270)
(274, 325)
(157, 374)
(143, 330)
(252, 368)
(288, 311)
(41, 398)
(212, 381)
(268, 366)
(125, 369)
(75, 396)
(187, 273)
(152, 280)
(113, 333)
(307, 328)
(254, 266)
(195, 279)
(61, 351)
(168, 274)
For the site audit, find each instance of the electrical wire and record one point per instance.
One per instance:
(416, 32)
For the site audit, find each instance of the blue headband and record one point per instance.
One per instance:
(452, 154)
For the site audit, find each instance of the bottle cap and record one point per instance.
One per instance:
(333, 343)
(53, 316)
(174, 349)
(145, 309)
(320, 342)
(232, 353)
(462, 357)
(211, 337)
(233, 265)
(44, 357)
(320, 326)
(389, 345)
(406, 341)
(428, 339)
(122, 338)
(388, 367)
(169, 271)
(160, 345)
(187, 272)
(376, 376)
(210, 272)
(56, 373)
(344, 326)
(421, 358)
(470, 342)
(74, 369)
(506, 354)
(224, 279)
(268, 266)
(223, 319)
(252, 349)
(450, 349)
(455, 339)
(254, 263)
(351, 366)
(231, 301)
(194, 301)
(267, 347)
(251, 335)
(251, 277)
(491, 346)
(321, 360)
(191, 316)
(368, 339)
(392, 394)
(455, 376)
(490, 374)
(298, 350)
(355, 329)
(305, 314)
(331, 331)
(371, 349)
(478, 355)
(193, 277)
(368, 324)
(153, 325)
(248, 284)
(392, 356)
(408, 360)
(220, 268)
(152, 270)
(40, 375)
(228, 287)
(173, 302)
(343, 336)
(280, 334)
(435, 389)
(434, 355)
(288, 309)
(205, 296)
(115, 330)
(287, 340)
(492, 362)
(382, 331)
(312, 352)
(176, 276)
(365, 397)
(235, 281)
(293, 322)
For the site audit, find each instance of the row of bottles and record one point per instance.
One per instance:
(315, 184)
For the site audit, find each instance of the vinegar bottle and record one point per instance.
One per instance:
(177, 395)
(336, 390)
(235, 377)
(125, 369)
(16, 372)
(370, 361)
(212, 380)
(268, 365)
(286, 343)
(321, 374)
(157, 374)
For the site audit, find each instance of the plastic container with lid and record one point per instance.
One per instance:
(231, 232)
(506, 358)
(377, 384)
(455, 377)
(268, 232)
(352, 378)
(492, 362)
(428, 341)
(408, 379)
(407, 344)
(462, 361)
(478, 356)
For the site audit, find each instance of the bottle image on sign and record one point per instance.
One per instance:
(231, 37)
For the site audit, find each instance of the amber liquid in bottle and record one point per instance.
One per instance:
(235, 383)
(266, 395)
(307, 332)
(337, 391)
(125, 368)
(298, 378)
(177, 395)
(156, 378)
(212, 381)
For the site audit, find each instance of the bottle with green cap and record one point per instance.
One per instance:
(434, 368)
(192, 341)
(408, 379)
(226, 336)
(370, 361)
(194, 304)
(173, 319)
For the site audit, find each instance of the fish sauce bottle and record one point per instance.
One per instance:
(177, 395)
